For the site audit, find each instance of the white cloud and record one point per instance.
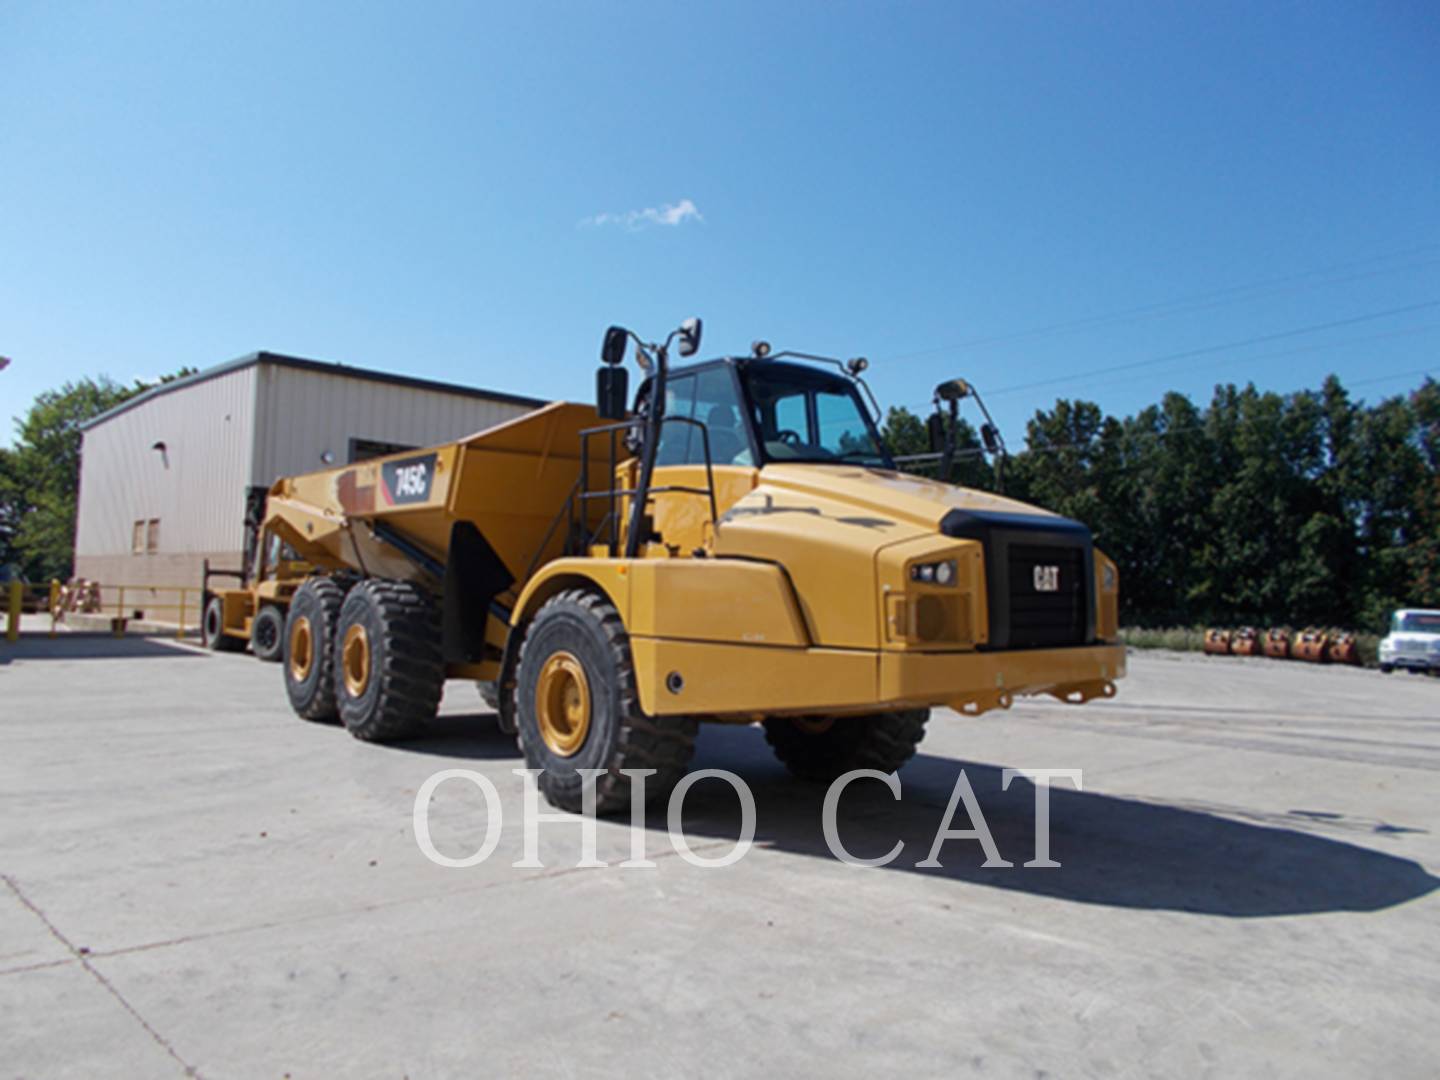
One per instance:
(670, 214)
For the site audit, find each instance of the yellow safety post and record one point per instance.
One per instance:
(180, 619)
(119, 626)
(12, 628)
(54, 605)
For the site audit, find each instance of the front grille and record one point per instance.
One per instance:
(1022, 616)
(1038, 616)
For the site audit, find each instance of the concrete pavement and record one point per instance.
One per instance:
(196, 882)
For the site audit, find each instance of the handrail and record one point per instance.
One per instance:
(611, 493)
(63, 599)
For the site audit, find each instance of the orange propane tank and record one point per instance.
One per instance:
(1245, 642)
(1310, 645)
(1217, 642)
(1343, 649)
(1277, 643)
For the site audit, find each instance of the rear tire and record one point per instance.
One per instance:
(577, 708)
(823, 748)
(309, 648)
(267, 634)
(1386, 669)
(389, 671)
(212, 629)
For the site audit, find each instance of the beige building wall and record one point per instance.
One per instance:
(303, 415)
(152, 515)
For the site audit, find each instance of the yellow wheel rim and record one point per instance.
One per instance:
(355, 657)
(562, 704)
(302, 649)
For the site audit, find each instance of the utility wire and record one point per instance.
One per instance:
(1207, 350)
(1257, 358)
(1187, 305)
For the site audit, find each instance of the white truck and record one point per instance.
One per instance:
(1413, 642)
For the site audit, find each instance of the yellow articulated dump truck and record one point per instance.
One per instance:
(734, 545)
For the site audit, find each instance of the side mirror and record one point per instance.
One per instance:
(990, 437)
(935, 426)
(689, 337)
(613, 351)
(612, 391)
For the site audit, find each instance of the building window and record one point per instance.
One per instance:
(152, 536)
(137, 539)
(364, 449)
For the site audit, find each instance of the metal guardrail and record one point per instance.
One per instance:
(60, 600)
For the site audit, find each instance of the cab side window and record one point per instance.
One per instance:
(710, 398)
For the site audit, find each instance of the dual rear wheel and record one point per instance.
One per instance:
(369, 658)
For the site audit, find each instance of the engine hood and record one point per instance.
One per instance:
(913, 499)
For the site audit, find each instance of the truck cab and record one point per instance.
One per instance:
(1413, 643)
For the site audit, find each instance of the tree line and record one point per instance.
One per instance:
(1260, 508)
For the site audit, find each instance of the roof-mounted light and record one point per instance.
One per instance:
(857, 365)
(760, 349)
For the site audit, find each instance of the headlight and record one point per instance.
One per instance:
(934, 573)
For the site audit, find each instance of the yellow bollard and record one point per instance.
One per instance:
(119, 628)
(12, 628)
(180, 618)
(54, 605)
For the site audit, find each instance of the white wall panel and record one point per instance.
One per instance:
(303, 414)
(196, 488)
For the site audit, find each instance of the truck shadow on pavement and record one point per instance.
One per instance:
(79, 646)
(1116, 852)
(472, 736)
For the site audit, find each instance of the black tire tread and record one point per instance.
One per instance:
(412, 668)
(663, 743)
(883, 741)
(329, 597)
(271, 655)
(221, 641)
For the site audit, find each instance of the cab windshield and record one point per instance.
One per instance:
(1416, 622)
(759, 412)
(802, 414)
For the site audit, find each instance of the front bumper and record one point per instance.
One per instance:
(1412, 661)
(694, 678)
(975, 682)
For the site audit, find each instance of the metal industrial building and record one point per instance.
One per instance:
(168, 477)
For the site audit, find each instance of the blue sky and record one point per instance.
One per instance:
(472, 192)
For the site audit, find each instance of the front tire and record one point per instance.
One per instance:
(824, 748)
(212, 629)
(1386, 669)
(577, 708)
(309, 648)
(267, 634)
(389, 672)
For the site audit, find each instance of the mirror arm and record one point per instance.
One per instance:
(653, 422)
(947, 455)
(1004, 452)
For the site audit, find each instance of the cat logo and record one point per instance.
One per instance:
(1047, 579)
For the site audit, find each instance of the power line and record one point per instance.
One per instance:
(1186, 305)
(1397, 375)
(1257, 358)
(1207, 350)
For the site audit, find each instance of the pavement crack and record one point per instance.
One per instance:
(84, 958)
